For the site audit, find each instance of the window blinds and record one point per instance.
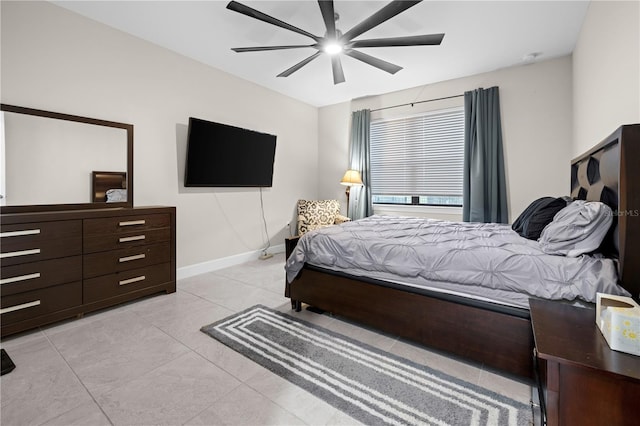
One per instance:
(418, 156)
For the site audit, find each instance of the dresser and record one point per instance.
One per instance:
(62, 264)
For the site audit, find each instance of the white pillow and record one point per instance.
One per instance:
(577, 229)
(116, 195)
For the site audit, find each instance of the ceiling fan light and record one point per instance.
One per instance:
(332, 48)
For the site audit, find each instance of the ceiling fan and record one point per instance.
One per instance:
(335, 42)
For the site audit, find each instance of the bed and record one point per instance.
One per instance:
(487, 330)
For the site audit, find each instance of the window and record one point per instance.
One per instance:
(418, 160)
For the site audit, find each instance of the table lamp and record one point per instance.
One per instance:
(351, 178)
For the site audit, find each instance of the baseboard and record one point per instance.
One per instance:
(224, 262)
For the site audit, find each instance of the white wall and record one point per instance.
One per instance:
(333, 151)
(536, 113)
(55, 60)
(606, 72)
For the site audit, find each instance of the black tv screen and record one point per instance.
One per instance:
(227, 156)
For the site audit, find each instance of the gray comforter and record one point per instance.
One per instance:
(487, 261)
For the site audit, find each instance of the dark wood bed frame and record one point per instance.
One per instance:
(497, 336)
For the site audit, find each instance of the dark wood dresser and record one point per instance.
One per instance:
(61, 264)
(584, 381)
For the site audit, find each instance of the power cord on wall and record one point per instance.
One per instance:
(265, 255)
(230, 223)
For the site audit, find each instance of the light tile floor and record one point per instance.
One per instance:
(147, 362)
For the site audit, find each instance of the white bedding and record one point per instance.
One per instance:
(490, 261)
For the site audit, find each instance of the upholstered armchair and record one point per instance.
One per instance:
(315, 214)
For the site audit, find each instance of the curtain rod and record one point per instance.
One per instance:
(418, 102)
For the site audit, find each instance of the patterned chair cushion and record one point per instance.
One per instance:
(316, 214)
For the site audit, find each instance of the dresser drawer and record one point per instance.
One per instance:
(96, 264)
(94, 242)
(112, 285)
(31, 242)
(125, 224)
(31, 304)
(35, 275)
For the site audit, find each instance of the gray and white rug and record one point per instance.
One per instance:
(372, 386)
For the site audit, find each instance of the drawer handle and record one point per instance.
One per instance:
(130, 258)
(19, 253)
(19, 233)
(19, 307)
(133, 280)
(134, 238)
(20, 278)
(133, 222)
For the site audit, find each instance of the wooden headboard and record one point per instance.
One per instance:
(610, 172)
(101, 182)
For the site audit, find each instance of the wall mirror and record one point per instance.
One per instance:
(55, 161)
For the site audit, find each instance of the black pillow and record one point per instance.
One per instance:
(524, 217)
(538, 215)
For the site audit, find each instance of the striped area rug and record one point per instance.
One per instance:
(370, 385)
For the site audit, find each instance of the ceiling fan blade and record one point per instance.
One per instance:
(336, 66)
(329, 16)
(384, 14)
(296, 67)
(262, 48)
(422, 40)
(248, 11)
(375, 62)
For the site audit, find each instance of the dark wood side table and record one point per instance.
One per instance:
(584, 381)
(290, 244)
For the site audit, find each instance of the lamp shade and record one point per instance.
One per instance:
(351, 178)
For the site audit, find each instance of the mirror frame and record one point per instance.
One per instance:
(85, 120)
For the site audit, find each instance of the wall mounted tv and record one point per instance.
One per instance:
(226, 156)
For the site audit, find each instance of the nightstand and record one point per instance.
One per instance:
(289, 245)
(584, 382)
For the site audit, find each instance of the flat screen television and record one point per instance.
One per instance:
(226, 156)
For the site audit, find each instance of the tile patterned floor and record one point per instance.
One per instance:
(146, 362)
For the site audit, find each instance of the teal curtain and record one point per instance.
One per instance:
(484, 187)
(360, 198)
